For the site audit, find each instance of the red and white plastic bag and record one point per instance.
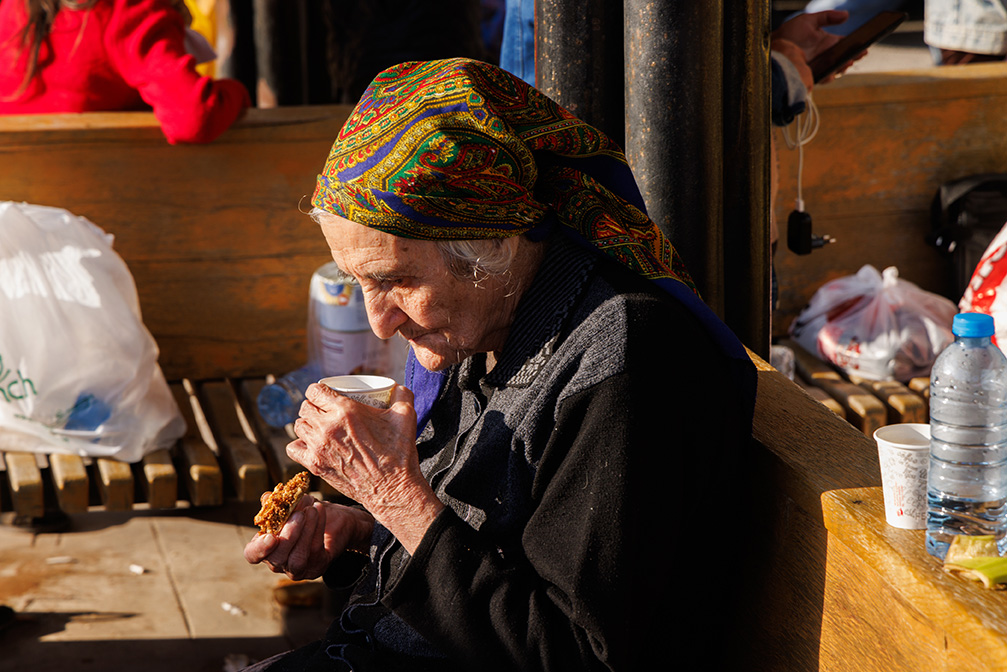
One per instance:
(876, 325)
(987, 290)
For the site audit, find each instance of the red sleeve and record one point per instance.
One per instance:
(145, 40)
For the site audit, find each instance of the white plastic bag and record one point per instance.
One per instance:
(987, 289)
(78, 369)
(875, 325)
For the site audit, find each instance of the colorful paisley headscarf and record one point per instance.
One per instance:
(459, 149)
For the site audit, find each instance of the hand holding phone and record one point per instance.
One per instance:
(845, 50)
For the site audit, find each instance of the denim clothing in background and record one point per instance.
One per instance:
(973, 26)
(860, 11)
(517, 51)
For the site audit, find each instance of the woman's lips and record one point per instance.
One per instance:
(412, 338)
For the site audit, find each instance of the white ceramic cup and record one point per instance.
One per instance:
(371, 390)
(904, 453)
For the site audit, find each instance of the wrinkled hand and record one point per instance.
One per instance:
(316, 534)
(369, 455)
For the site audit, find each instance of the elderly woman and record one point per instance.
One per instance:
(572, 414)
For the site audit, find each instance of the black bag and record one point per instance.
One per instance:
(966, 214)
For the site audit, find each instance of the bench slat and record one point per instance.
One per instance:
(115, 484)
(204, 480)
(822, 397)
(159, 479)
(921, 386)
(809, 367)
(235, 442)
(25, 480)
(70, 481)
(202, 475)
(902, 404)
(863, 410)
(272, 440)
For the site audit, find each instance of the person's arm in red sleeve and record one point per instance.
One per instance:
(146, 41)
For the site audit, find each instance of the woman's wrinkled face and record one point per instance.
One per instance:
(409, 289)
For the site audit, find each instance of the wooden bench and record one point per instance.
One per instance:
(222, 256)
(866, 404)
(802, 450)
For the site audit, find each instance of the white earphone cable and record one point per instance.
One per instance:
(805, 128)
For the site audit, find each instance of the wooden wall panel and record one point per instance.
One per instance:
(886, 142)
(220, 252)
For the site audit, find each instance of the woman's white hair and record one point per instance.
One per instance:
(478, 260)
(475, 260)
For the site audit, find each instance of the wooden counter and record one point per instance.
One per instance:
(889, 606)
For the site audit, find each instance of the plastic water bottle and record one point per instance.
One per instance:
(280, 402)
(967, 483)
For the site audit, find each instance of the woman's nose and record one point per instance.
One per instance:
(384, 315)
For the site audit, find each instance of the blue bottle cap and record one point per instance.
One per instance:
(972, 325)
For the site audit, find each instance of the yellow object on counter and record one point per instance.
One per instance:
(977, 558)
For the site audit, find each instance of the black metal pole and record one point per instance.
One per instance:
(695, 108)
(747, 255)
(579, 60)
(674, 128)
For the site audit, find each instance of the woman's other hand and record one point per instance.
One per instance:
(316, 534)
(369, 455)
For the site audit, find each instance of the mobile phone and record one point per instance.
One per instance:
(839, 54)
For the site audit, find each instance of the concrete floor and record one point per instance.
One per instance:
(144, 591)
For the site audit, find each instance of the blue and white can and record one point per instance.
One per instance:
(340, 338)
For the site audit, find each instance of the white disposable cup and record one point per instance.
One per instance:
(371, 390)
(904, 453)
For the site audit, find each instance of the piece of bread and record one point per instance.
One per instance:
(281, 502)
